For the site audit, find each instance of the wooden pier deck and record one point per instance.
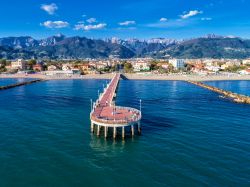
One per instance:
(105, 114)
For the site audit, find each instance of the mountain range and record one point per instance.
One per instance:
(62, 47)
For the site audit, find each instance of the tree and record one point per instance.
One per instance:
(234, 68)
(30, 64)
(153, 65)
(188, 67)
(171, 68)
(128, 67)
(3, 62)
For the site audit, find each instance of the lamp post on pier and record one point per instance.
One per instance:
(91, 102)
(140, 104)
(139, 123)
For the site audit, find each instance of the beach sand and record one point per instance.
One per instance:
(134, 76)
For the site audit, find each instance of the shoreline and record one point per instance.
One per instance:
(172, 77)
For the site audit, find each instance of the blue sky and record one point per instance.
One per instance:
(125, 18)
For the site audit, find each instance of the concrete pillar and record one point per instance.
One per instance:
(105, 132)
(132, 130)
(114, 132)
(123, 132)
(92, 127)
(139, 127)
(98, 130)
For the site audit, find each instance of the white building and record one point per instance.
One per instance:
(62, 73)
(19, 64)
(52, 68)
(213, 68)
(66, 67)
(246, 62)
(141, 66)
(233, 63)
(177, 63)
(245, 72)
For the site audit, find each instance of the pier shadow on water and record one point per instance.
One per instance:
(100, 143)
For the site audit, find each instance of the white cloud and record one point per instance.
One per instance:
(191, 14)
(126, 28)
(80, 22)
(91, 20)
(55, 24)
(163, 19)
(90, 27)
(126, 23)
(50, 9)
(84, 15)
(206, 19)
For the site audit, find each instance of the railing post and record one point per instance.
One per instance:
(105, 131)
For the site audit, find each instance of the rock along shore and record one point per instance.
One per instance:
(238, 98)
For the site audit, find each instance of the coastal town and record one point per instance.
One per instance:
(78, 68)
(150, 93)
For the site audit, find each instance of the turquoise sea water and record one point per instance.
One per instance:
(7, 81)
(241, 87)
(190, 137)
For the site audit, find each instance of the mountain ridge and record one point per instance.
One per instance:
(76, 47)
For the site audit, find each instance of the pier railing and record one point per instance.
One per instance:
(136, 116)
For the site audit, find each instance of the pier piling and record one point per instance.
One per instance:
(132, 130)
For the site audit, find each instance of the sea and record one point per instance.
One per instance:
(190, 136)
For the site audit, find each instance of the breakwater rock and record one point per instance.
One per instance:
(238, 98)
(20, 84)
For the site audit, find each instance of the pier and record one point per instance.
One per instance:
(238, 98)
(106, 116)
(20, 84)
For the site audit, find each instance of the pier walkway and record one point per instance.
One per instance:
(105, 114)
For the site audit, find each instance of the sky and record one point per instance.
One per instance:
(142, 19)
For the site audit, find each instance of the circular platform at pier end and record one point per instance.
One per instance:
(111, 116)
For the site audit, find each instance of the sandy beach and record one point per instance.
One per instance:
(134, 76)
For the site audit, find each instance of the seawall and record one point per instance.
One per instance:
(238, 98)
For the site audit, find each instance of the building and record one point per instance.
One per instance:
(245, 72)
(141, 66)
(246, 62)
(213, 68)
(233, 63)
(177, 63)
(198, 67)
(19, 64)
(101, 65)
(86, 68)
(224, 66)
(66, 67)
(163, 65)
(52, 68)
(38, 67)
